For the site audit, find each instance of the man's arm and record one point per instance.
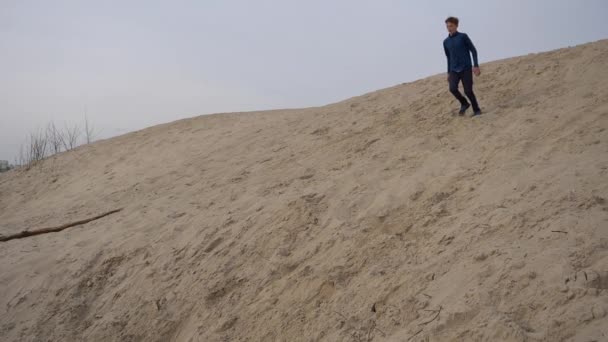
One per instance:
(447, 55)
(473, 51)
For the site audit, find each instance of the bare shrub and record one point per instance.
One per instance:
(43, 143)
(55, 138)
(89, 130)
(34, 150)
(71, 134)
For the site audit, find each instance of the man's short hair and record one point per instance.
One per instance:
(452, 20)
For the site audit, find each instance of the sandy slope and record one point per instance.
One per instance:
(357, 221)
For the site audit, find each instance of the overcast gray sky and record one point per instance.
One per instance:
(133, 64)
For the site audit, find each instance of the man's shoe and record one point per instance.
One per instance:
(477, 112)
(464, 108)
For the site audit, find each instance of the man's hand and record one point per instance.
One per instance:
(476, 71)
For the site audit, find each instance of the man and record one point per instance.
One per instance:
(458, 49)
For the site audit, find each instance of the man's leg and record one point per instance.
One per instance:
(467, 82)
(454, 80)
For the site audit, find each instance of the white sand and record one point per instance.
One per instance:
(292, 225)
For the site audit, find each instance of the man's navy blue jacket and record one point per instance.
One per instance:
(458, 48)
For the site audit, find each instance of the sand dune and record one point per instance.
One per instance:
(385, 217)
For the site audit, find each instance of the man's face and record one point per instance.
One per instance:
(451, 27)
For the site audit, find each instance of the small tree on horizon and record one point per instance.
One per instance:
(43, 143)
(55, 137)
(89, 130)
(71, 136)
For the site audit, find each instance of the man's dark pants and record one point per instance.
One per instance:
(467, 81)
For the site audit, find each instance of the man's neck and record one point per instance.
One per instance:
(453, 33)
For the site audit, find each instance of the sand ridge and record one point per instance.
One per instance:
(385, 217)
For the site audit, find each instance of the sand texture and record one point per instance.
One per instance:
(385, 217)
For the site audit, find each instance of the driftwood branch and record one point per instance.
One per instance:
(27, 233)
(438, 312)
(416, 334)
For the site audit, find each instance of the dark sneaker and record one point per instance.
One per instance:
(464, 108)
(477, 112)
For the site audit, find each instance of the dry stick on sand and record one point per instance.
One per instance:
(416, 334)
(27, 233)
(434, 318)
